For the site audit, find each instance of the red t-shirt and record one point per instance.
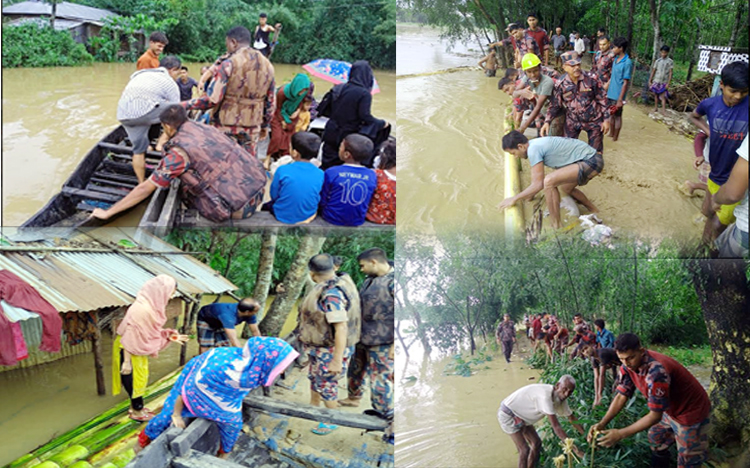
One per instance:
(537, 326)
(541, 38)
(668, 387)
(382, 209)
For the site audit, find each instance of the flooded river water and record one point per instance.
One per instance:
(449, 421)
(450, 122)
(53, 116)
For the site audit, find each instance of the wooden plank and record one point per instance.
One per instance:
(199, 428)
(102, 180)
(169, 209)
(127, 149)
(109, 190)
(358, 421)
(104, 197)
(156, 454)
(264, 219)
(196, 459)
(130, 179)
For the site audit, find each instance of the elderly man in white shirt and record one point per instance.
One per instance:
(146, 95)
(579, 46)
(528, 405)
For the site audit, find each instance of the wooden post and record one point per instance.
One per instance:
(96, 349)
(187, 324)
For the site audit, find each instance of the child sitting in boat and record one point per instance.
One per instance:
(295, 189)
(348, 188)
(213, 385)
(382, 208)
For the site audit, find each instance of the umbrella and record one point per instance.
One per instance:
(333, 71)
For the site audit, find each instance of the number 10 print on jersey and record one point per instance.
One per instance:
(346, 194)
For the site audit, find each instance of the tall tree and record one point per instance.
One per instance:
(631, 14)
(722, 289)
(294, 282)
(655, 10)
(740, 7)
(265, 271)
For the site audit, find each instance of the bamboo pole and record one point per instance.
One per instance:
(187, 325)
(96, 349)
(514, 215)
(31, 248)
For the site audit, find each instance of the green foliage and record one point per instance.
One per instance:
(127, 29)
(236, 255)
(633, 452)
(466, 283)
(38, 45)
(311, 29)
(463, 366)
(689, 356)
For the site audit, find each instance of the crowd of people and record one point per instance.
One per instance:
(342, 332)
(562, 105)
(678, 405)
(212, 128)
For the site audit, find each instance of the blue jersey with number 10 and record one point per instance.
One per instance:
(346, 194)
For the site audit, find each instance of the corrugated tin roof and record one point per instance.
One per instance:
(64, 10)
(82, 281)
(60, 24)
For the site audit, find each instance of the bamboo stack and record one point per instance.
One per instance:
(105, 441)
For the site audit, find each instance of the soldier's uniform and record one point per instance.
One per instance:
(672, 390)
(328, 303)
(372, 354)
(243, 96)
(603, 66)
(218, 177)
(584, 104)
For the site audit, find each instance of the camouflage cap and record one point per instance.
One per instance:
(570, 58)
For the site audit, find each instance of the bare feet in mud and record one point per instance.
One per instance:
(688, 189)
(349, 402)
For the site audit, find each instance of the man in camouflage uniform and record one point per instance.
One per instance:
(243, 94)
(603, 62)
(329, 327)
(522, 42)
(581, 97)
(374, 353)
(218, 177)
(678, 405)
(506, 335)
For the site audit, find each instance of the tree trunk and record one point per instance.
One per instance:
(606, 15)
(654, 7)
(631, 13)
(470, 327)
(722, 289)
(616, 30)
(265, 272)
(417, 319)
(695, 52)
(229, 254)
(737, 22)
(294, 281)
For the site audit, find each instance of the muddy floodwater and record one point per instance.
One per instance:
(450, 120)
(53, 116)
(448, 420)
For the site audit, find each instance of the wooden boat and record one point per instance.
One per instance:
(103, 177)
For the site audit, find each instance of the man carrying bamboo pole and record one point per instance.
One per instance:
(528, 405)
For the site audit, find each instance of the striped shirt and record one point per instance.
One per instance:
(145, 90)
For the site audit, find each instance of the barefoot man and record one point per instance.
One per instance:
(575, 164)
(528, 405)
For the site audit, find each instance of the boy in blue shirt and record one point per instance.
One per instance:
(295, 189)
(622, 69)
(347, 189)
(727, 116)
(216, 323)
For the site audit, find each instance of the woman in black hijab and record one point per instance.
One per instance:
(349, 112)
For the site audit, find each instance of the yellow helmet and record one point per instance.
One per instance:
(530, 61)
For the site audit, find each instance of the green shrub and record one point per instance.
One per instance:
(38, 45)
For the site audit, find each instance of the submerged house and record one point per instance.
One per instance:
(83, 22)
(90, 280)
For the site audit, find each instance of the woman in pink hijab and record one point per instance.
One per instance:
(140, 335)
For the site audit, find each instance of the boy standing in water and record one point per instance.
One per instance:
(661, 77)
(489, 64)
(622, 69)
(727, 116)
